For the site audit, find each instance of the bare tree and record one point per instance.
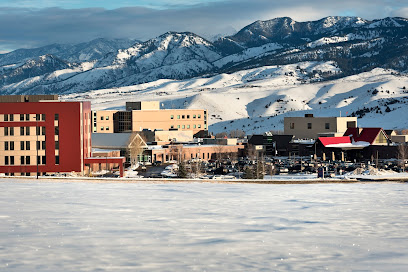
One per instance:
(136, 146)
(237, 133)
(402, 155)
(221, 135)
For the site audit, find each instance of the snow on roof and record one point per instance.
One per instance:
(345, 142)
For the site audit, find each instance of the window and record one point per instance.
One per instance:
(172, 126)
(22, 160)
(6, 131)
(107, 118)
(171, 116)
(11, 131)
(199, 116)
(27, 145)
(195, 126)
(56, 145)
(56, 130)
(6, 146)
(42, 130)
(178, 116)
(188, 116)
(38, 145)
(43, 160)
(351, 124)
(21, 131)
(28, 160)
(57, 160)
(37, 131)
(107, 128)
(327, 126)
(43, 145)
(11, 160)
(43, 117)
(292, 125)
(178, 126)
(56, 117)
(6, 118)
(183, 126)
(194, 116)
(188, 126)
(27, 131)
(27, 116)
(37, 117)
(11, 117)
(6, 160)
(199, 126)
(22, 145)
(101, 118)
(94, 129)
(309, 125)
(21, 117)
(11, 145)
(38, 160)
(183, 117)
(102, 128)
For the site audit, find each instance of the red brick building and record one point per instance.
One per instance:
(42, 130)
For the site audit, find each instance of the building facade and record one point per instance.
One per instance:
(148, 116)
(51, 135)
(310, 127)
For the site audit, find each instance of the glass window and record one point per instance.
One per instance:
(43, 159)
(37, 130)
(11, 145)
(27, 131)
(28, 160)
(183, 117)
(107, 128)
(327, 126)
(107, 117)
(309, 125)
(28, 145)
(188, 126)
(178, 116)
(43, 117)
(22, 145)
(199, 116)
(195, 126)
(22, 159)
(292, 125)
(37, 117)
(102, 118)
(43, 130)
(11, 160)
(194, 116)
(178, 126)
(27, 116)
(56, 117)
(11, 117)
(199, 126)
(56, 145)
(6, 160)
(188, 116)
(38, 145)
(172, 126)
(6, 145)
(183, 126)
(11, 131)
(43, 145)
(56, 130)
(21, 117)
(102, 128)
(171, 116)
(6, 131)
(6, 118)
(21, 131)
(57, 160)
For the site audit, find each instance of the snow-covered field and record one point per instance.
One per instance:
(257, 100)
(76, 226)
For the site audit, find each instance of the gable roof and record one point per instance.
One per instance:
(326, 141)
(364, 134)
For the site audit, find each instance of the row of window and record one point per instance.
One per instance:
(105, 128)
(187, 115)
(105, 118)
(9, 131)
(26, 145)
(309, 125)
(26, 117)
(26, 160)
(186, 126)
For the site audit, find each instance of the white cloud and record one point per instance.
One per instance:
(24, 27)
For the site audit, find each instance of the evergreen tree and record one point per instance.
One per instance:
(182, 171)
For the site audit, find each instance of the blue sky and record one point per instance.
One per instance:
(34, 23)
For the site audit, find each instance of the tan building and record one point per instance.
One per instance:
(310, 127)
(148, 115)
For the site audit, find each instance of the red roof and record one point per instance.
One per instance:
(366, 134)
(334, 140)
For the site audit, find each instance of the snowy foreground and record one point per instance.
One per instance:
(80, 226)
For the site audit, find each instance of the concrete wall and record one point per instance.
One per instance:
(102, 121)
(299, 126)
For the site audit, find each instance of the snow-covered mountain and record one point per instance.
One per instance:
(257, 100)
(354, 44)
